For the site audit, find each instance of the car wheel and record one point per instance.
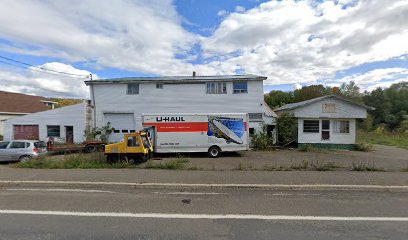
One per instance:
(24, 159)
(214, 152)
(90, 149)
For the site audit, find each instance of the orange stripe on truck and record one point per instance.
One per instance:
(182, 127)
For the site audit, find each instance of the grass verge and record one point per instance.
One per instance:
(305, 166)
(174, 164)
(82, 161)
(383, 138)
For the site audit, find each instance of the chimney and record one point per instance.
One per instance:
(194, 73)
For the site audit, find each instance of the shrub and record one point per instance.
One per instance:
(287, 128)
(261, 140)
(306, 147)
(364, 147)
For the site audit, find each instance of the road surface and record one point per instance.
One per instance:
(36, 211)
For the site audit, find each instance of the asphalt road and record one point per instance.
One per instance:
(103, 212)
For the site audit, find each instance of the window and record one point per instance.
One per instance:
(240, 87)
(325, 129)
(311, 126)
(342, 126)
(251, 131)
(329, 108)
(3, 145)
(217, 88)
(39, 144)
(133, 142)
(53, 131)
(132, 88)
(18, 145)
(159, 85)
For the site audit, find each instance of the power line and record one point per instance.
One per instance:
(36, 70)
(42, 69)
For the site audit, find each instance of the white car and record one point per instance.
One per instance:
(21, 150)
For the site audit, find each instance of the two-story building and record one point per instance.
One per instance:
(122, 101)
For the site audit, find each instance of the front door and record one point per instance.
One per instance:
(325, 130)
(69, 134)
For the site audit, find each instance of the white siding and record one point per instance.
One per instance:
(174, 98)
(3, 118)
(343, 110)
(335, 138)
(66, 116)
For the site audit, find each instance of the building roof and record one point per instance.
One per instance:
(268, 111)
(22, 103)
(292, 106)
(179, 79)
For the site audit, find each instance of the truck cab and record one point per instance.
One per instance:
(135, 146)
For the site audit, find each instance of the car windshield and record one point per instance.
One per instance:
(39, 144)
(3, 145)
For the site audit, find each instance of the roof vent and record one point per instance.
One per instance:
(194, 74)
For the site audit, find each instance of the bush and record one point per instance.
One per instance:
(306, 147)
(287, 128)
(261, 140)
(364, 147)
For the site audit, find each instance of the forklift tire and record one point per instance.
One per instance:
(214, 152)
(90, 148)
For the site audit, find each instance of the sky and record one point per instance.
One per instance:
(294, 43)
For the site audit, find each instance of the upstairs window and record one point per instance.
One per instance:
(311, 126)
(240, 87)
(217, 88)
(132, 88)
(329, 108)
(159, 85)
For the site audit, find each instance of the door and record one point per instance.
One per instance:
(16, 149)
(26, 132)
(3, 150)
(326, 130)
(69, 134)
(121, 122)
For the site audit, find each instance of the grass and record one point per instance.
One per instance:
(305, 166)
(82, 161)
(175, 164)
(404, 169)
(383, 138)
(306, 148)
(364, 166)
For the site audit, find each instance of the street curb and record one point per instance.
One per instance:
(208, 186)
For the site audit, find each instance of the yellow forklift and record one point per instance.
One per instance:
(134, 147)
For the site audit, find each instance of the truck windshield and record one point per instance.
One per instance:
(145, 141)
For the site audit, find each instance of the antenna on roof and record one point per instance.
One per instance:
(194, 74)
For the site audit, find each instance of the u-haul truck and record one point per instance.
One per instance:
(213, 133)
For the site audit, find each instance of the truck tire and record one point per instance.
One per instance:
(214, 152)
(90, 148)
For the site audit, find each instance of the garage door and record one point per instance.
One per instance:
(121, 122)
(26, 132)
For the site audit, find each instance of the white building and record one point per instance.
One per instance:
(328, 121)
(65, 125)
(122, 101)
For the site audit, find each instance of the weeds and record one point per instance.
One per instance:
(240, 166)
(405, 169)
(304, 166)
(174, 164)
(363, 166)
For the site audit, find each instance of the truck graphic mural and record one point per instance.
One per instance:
(230, 129)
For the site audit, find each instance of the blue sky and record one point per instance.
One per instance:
(293, 43)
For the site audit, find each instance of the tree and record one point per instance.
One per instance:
(351, 91)
(276, 99)
(310, 92)
(287, 128)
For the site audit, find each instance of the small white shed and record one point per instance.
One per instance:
(65, 125)
(327, 122)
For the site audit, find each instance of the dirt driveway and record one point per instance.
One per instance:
(382, 157)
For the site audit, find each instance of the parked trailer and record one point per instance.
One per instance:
(213, 133)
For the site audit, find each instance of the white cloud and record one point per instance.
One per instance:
(222, 13)
(297, 41)
(297, 86)
(37, 82)
(239, 9)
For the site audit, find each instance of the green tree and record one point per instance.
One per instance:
(351, 91)
(310, 92)
(287, 128)
(276, 98)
